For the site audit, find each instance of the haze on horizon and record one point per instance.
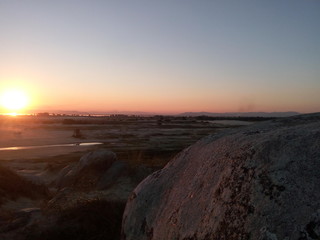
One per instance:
(162, 56)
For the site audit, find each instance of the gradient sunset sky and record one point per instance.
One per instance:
(163, 56)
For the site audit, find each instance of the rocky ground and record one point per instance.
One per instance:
(260, 182)
(80, 192)
(85, 200)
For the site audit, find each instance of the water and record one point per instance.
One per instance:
(55, 145)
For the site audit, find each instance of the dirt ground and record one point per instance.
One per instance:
(131, 133)
(140, 140)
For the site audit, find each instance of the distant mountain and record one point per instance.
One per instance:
(240, 114)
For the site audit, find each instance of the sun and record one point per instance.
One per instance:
(14, 100)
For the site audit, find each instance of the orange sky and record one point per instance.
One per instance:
(164, 100)
(161, 57)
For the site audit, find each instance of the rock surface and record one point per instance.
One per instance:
(258, 182)
(113, 173)
(97, 159)
(86, 200)
(89, 170)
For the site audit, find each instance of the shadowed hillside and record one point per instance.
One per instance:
(13, 186)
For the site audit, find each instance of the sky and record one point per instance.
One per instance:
(165, 56)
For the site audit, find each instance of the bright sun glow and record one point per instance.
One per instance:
(14, 100)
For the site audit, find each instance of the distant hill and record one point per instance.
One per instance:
(240, 114)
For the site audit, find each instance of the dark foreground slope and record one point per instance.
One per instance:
(83, 201)
(13, 186)
(259, 182)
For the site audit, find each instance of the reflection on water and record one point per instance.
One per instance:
(56, 145)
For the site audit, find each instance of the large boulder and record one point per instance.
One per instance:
(86, 173)
(258, 182)
(100, 159)
(112, 174)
